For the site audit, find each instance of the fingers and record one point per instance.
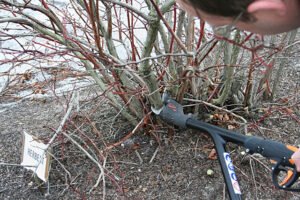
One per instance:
(296, 158)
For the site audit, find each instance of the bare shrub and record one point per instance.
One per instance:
(134, 50)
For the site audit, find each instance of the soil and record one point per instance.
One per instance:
(163, 164)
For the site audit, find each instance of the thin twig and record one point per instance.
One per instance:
(16, 165)
(195, 154)
(139, 156)
(217, 107)
(123, 162)
(222, 109)
(58, 130)
(69, 174)
(101, 168)
(131, 8)
(253, 176)
(128, 135)
(188, 54)
(154, 155)
(253, 157)
(224, 191)
(5, 85)
(3, 190)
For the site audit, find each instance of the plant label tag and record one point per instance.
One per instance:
(35, 157)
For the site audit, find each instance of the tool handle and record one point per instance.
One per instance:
(290, 176)
(279, 153)
(172, 113)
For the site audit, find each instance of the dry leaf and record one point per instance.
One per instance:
(216, 116)
(289, 111)
(231, 127)
(125, 189)
(284, 100)
(213, 155)
(226, 117)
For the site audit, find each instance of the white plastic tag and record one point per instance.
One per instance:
(34, 156)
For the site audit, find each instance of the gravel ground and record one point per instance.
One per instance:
(177, 171)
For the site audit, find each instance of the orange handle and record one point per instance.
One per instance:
(294, 149)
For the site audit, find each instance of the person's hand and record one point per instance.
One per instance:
(296, 158)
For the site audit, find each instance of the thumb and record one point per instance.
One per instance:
(296, 158)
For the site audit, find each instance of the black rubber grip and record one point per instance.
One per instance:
(270, 149)
(172, 113)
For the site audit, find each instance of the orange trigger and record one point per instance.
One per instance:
(273, 162)
(292, 148)
(292, 161)
(287, 178)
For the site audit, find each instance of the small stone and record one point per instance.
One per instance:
(210, 172)
(30, 184)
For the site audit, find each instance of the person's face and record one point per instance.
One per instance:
(277, 19)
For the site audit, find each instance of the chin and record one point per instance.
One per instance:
(274, 30)
(269, 31)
